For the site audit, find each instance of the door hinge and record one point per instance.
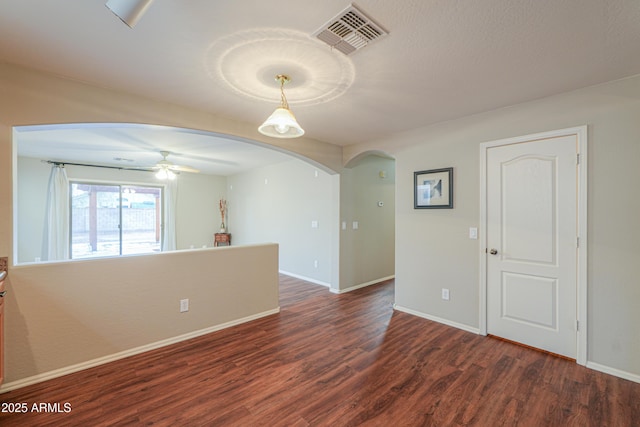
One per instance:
(578, 159)
(577, 242)
(577, 325)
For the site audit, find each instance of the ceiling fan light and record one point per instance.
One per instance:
(162, 174)
(129, 11)
(281, 124)
(170, 175)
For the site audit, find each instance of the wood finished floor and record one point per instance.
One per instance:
(336, 360)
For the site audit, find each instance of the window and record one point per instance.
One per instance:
(112, 219)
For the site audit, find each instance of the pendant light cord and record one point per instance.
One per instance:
(283, 99)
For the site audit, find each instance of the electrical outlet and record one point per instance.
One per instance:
(184, 305)
(445, 294)
(315, 263)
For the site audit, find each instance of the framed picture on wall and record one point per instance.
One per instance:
(433, 189)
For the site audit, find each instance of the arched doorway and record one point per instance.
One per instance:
(367, 225)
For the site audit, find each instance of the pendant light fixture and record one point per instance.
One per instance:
(282, 123)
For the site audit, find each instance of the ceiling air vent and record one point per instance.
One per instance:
(349, 31)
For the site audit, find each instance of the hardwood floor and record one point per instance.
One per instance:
(335, 360)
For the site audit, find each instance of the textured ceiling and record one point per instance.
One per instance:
(442, 59)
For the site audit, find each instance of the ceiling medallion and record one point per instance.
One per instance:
(246, 62)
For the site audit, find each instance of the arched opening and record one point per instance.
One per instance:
(367, 209)
(273, 196)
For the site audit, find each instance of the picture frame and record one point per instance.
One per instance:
(433, 189)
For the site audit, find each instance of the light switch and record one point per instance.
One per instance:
(344, 225)
(354, 225)
(314, 224)
(473, 233)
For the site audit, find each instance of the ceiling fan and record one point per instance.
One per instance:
(169, 170)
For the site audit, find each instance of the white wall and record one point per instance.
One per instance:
(368, 252)
(196, 213)
(432, 247)
(32, 200)
(278, 203)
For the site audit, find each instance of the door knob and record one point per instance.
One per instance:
(493, 252)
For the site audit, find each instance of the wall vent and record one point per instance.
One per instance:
(350, 31)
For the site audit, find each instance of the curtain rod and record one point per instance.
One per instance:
(53, 162)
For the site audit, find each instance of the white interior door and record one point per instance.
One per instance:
(532, 230)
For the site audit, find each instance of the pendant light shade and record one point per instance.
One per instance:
(282, 123)
(129, 11)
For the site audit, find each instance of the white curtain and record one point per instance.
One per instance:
(55, 242)
(170, 204)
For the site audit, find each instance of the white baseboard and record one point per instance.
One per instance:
(362, 285)
(131, 352)
(328, 285)
(306, 279)
(613, 371)
(437, 319)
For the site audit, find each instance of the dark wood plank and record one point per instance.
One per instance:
(336, 360)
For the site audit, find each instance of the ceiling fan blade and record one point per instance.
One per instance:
(183, 168)
(143, 168)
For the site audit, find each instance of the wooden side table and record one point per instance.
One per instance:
(224, 238)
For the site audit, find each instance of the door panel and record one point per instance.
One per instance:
(532, 228)
(529, 188)
(530, 300)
